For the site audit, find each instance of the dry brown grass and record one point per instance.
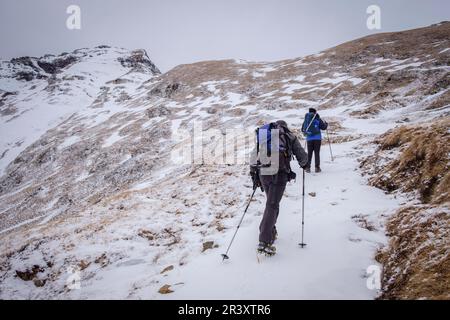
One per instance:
(370, 111)
(423, 163)
(417, 262)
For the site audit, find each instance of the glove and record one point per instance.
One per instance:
(303, 166)
(255, 178)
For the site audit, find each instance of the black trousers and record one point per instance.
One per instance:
(274, 188)
(314, 146)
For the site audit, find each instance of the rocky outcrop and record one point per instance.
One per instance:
(56, 65)
(139, 60)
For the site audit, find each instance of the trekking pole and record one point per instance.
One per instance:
(225, 255)
(329, 143)
(302, 244)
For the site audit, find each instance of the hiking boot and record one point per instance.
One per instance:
(267, 249)
(318, 169)
(308, 170)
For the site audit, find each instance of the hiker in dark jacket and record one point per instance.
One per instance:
(312, 126)
(275, 184)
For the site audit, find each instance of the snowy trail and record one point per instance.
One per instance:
(338, 252)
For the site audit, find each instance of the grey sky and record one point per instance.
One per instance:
(184, 31)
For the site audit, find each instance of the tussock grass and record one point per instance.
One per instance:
(416, 261)
(422, 164)
(415, 159)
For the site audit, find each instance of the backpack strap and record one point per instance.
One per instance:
(283, 135)
(315, 114)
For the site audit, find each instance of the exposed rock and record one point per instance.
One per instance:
(165, 90)
(146, 234)
(157, 111)
(62, 63)
(139, 59)
(39, 282)
(165, 289)
(7, 93)
(208, 245)
(167, 269)
(24, 75)
(83, 264)
(47, 67)
(29, 274)
(102, 260)
(25, 61)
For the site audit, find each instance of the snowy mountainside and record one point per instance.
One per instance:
(37, 94)
(99, 191)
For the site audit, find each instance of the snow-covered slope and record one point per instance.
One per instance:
(101, 192)
(37, 94)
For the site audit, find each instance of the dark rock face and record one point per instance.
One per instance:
(64, 62)
(26, 61)
(7, 93)
(29, 274)
(30, 68)
(23, 75)
(165, 90)
(38, 69)
(138, 60)
(47, 67)
(56, 65)
(171, 88)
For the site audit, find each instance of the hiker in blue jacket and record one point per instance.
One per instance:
(312, 126)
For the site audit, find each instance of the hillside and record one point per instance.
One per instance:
(91, 178)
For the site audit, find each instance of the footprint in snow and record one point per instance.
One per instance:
(354, 238)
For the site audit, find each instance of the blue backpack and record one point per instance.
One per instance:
(312, 125)
(261, 138)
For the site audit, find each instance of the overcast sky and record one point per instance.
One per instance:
(183, 31)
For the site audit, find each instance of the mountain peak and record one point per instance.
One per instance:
(28, 68)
